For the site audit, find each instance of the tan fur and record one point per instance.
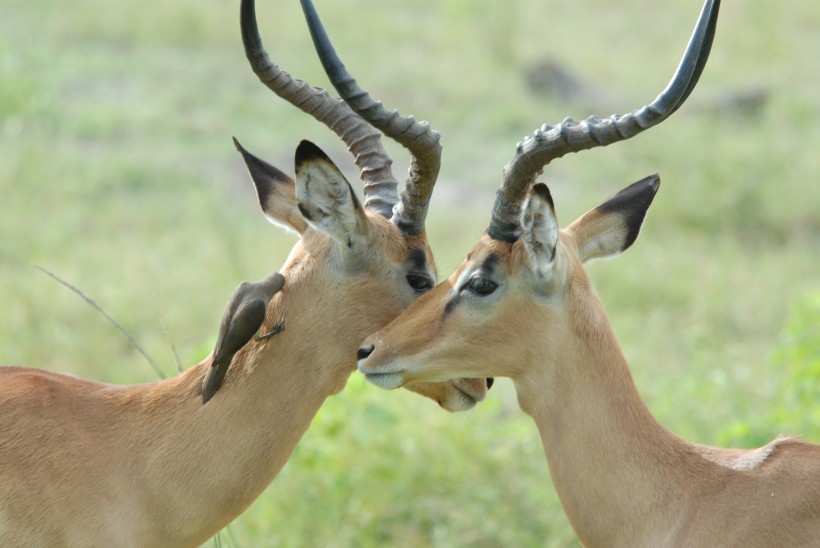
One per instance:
(89, 464)
(622, 478)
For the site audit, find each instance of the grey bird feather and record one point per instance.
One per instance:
(241, 321)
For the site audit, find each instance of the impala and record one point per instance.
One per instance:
(521, 306)
(89, 464)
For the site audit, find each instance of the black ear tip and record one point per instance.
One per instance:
(646, 187)
(238, 146)
(306, 144)
(263, 175)
(542, 191)
(245, 154)
(654, 181)
(307, 151)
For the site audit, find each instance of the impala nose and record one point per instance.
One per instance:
(490, 380)
(365, 351)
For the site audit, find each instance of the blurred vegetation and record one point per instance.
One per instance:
(793, 383)
(117, 173)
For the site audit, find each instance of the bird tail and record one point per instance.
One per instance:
(213, 380)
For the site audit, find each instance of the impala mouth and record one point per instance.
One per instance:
(469, 391)
(388, 381)
(388, 376)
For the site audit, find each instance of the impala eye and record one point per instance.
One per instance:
(419, 283)
(480, 286)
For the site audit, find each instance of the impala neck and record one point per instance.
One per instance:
(226, 452)
(620, 475)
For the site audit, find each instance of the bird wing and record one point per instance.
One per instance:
(244, 324)
(238, 326)
(231, 308)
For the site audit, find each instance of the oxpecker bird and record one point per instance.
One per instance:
(241, 321)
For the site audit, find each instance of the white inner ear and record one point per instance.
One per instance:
(598, 235)
(280, 208)
(603, 244)
(539, 229)
(327, 199)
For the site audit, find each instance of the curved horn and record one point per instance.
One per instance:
(363, 141)
(549, 143)
(417, 137)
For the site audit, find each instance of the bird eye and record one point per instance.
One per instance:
(419, 283)
(480, 286)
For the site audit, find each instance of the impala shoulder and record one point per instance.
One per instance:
(27, 386)
(747, 460)
(35, 387)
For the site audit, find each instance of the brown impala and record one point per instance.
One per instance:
(89, 464)
(521, 306)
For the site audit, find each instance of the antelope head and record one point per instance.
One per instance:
(368, 260)
(522, 291)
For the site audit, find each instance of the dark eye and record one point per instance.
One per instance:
(480, 286)
(419, 283)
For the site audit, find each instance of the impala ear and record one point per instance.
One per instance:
(276, 192)
(614, 225)
(326, 199)
(539, 229)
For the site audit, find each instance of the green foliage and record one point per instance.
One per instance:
(117, 173)
(382, 468)
(793, 387)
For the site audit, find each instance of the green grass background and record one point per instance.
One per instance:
(117, 172)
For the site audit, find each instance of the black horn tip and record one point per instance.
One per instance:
(327, 54)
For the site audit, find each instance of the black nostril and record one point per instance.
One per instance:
(490, 380)
(365, 351)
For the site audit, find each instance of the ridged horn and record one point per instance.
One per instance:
(551, 142)
(363, 140)
(417, 137)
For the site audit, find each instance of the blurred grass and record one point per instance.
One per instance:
(117, 173)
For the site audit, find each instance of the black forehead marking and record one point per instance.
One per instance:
(490, 263)
(449, 307)
(417, 258)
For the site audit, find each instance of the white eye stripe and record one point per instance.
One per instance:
(462, 279)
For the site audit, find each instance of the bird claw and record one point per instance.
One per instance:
(278, 328)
